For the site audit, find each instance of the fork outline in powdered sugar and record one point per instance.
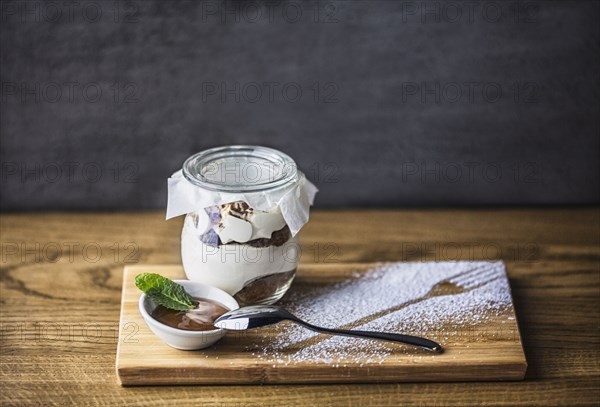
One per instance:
(459, 283)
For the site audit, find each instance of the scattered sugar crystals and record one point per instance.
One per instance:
(410, 298)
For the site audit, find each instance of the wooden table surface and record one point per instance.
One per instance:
(61, 286)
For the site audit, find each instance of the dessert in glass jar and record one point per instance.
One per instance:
(244, 206)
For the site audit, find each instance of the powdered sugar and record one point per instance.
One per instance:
(442, 301)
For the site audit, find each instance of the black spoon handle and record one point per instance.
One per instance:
(383, 336)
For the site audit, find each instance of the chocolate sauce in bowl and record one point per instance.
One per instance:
(198, 319)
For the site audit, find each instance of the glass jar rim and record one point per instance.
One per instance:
(201, 169)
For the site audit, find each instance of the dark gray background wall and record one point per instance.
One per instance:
(381, 103)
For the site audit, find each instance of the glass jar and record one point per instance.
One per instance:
(240, 237)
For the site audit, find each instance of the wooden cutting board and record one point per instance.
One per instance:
(481, 344)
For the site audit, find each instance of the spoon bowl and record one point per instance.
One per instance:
(253, 316)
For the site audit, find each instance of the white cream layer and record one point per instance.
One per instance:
(230, 267)
(255, 225)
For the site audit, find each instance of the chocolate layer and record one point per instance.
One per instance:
(262, 288)
(278, 238)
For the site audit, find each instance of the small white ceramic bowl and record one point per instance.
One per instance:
(180, 338)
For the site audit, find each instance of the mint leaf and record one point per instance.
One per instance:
(165, 292)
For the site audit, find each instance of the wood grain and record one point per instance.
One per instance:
(490, 350)
(59, 313)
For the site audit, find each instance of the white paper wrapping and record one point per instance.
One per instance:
(294, 201)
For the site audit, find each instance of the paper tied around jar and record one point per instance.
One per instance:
(294, 201)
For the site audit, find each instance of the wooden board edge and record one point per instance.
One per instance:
(130, 377)
(519, 336)
(127, 270)
(524, 365)
(121, 316)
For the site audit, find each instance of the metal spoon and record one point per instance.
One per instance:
(261, 315)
